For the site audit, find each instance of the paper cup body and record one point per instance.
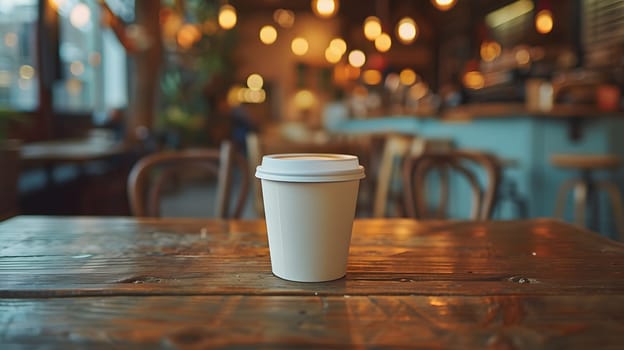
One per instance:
(309, 204)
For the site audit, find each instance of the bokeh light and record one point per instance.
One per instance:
(522, 56)
(255, 81)
(418, 91)
(357, 58)
(474, 80)
(339, 45)
(285, 18)
(304, 99)
(268, 34)
(80, 16)
(325, 8)
(383, 43)
(332, 55)
(10, 39)
(408, 76)
(372, 28)
(76, 68)
(227, 17)
(371, 77)
(443, 5)
(392, 81)
(188, 35)
(490, 50)
(407, 31)
(299, 46)
(544, 22)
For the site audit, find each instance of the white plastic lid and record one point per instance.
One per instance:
(310, 167)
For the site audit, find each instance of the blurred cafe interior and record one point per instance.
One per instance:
(90, 88)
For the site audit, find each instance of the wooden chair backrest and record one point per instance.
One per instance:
(145, 183)
(416, 168)
(396, 148)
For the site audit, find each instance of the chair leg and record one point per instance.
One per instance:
(580, 202)
(562, 196)
(616, 204)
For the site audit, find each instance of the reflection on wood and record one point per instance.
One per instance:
(238, 321)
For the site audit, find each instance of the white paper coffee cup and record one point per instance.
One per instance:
(309, 205)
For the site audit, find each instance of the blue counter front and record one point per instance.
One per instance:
(527, 140)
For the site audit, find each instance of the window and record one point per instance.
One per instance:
(18, 68)
(91, 74)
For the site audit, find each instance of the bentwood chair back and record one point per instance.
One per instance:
(467, 164)
(396, 148)
(154, 173)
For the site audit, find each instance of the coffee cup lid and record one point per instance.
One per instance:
(310, 167)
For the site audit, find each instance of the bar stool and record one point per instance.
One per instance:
(586, 188)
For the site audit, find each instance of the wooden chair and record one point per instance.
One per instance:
(152, 173)
(396, 148)
(416, 169)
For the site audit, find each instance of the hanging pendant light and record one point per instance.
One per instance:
(444, 5)
(325, 8)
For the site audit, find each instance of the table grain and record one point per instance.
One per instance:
(193, 283)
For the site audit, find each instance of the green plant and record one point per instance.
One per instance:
(193, 75)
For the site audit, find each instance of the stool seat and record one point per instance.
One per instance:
(586, 161)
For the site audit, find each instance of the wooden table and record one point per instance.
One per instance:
(69, 151)
(189, 283)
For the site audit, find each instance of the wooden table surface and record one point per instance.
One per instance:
(74, 151)
(190, 283)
